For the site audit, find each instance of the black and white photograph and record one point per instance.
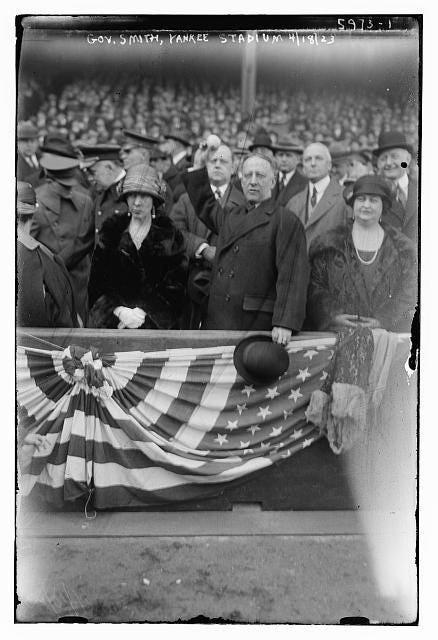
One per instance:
(217, 225)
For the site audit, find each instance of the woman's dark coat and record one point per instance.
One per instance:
(337, 285)
(152, 278)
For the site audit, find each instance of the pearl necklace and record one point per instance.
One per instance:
(367, 261)
(373, 239)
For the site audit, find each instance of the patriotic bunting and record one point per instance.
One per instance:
(135, 428)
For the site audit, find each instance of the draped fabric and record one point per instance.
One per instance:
(135, 428)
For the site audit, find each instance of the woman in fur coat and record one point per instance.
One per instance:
(138, 275)
(365, 273)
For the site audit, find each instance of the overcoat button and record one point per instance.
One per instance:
(228, 297)
(236, 248)
(99, 213)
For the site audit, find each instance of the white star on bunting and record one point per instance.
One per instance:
(324, 375)
(232, 425)
(272, 393)
(297, 434)
(263, 445)
(303, 374)
(295, 394)
(310, 353)
(248, 389)
(221, 439)
(287, 413)
(276, 431)
(241, 407)
(253, 429)
(307, 442)
(245, 451)
(264, 412)
(244, 445)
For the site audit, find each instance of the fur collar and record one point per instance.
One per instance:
(162, 232)
(338, 237)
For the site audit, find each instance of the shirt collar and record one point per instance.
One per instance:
(120, 176)
(403, 183)
(222, 189)
(287, 176)
(321, 185)
(178, 156)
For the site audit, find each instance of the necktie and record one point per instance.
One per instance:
(401, 197)
(311, 205)
(217, 193)
(281, 181)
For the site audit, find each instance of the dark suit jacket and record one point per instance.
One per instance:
(405, 218)
(195, 232)
(24, 169)
(296, 184)
(331, 211)
(261, 270)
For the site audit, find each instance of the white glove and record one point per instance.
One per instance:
(129, 318)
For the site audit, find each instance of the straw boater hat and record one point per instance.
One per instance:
(258, 360)
(143, 179)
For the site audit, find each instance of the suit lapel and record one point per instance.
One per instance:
(294, 186)
(249, 221)
(330, 196)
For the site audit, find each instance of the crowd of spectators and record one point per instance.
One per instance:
(95, 111)
(139, 197)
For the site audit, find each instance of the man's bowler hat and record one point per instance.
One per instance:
(260, 361)
(261, 139)
(392, 140)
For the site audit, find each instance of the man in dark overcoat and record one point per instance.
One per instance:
(200, 241)
(261, 270)
(44, 293)
(64, 220)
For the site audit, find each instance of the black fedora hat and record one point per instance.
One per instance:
(392, 140)
(261, 139)
(258, 360)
